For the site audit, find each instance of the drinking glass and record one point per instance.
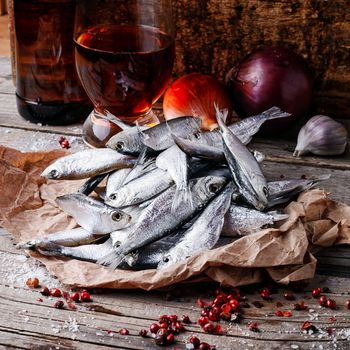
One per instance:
(124, 54)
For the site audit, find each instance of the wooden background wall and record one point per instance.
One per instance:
(212, 35)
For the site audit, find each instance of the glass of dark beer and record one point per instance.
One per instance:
(124, 54)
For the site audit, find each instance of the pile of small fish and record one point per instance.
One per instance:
(171, 191)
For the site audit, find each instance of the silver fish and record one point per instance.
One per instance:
(200, 150)
(245, 129)
(140, 189)
(283, 187)
(159, 220)
(68, 238)
(115, 180)
(87, 163)
(158, 138)
(175, 162)
(127, 141)
(244, 168)
(204, 233)
(87, 252)
(93, 215)
(151, 255)
(147, 186)
(212, 153)
(241, 220)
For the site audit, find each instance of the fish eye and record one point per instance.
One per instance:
(120, 145)
(113, 196)
(166, 259)
(213, 188)
(266, 192)
(53, 174)
(117, 244)
(116, 216)
(197, 135)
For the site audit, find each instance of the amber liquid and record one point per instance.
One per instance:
(124, 69)
(47, 86)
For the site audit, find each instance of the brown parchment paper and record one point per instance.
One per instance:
(28, 210)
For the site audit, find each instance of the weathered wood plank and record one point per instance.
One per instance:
(25, 314)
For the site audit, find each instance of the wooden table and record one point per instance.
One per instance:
(29, 323)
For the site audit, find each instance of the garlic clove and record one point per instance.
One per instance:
(321, 135)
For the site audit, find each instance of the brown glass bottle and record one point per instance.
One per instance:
(47, 87)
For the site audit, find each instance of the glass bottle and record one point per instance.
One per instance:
(47, 87)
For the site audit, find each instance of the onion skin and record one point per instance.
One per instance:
(271, 76)
(195, 95)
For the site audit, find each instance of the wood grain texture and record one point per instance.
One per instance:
(212, 36)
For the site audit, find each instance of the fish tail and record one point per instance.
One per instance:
(112, 118)
(279, 216)
(28, 244)
(181, 196)
(275, 113)
(221, 116)
(112, 259)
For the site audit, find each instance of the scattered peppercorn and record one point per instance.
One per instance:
(253, 326)
(323, 300)
(55, 292)
(64, 142)
(170, 338)
(265, 294)
(45, 291)
(316, 292)
(186, 319)
(75, 296)
(195, 341)
(85, 296)
(32, 282)
(143, 333)
(154, 328)
(59, 304)
(123, 331)
(288, 296)
(204, 346)
(331, 304)
(300, 306)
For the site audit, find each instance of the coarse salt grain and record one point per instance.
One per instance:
(294, 346)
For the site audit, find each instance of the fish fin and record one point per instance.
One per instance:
(275, 113)
(112, 118)
(181, 195)
(320, 178)
(112, 259)
(220, 117)
(50, 249)
(142, 157)
(131, 259)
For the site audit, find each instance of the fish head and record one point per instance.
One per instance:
(209, 186)
(124, 142)
(120, 218)
(53, 171)
(167, 260)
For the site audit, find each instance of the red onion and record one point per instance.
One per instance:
(195, 95)
(271, 76)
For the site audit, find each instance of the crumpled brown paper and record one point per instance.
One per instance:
(28, 210)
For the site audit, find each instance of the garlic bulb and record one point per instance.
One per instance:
(321, 135)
